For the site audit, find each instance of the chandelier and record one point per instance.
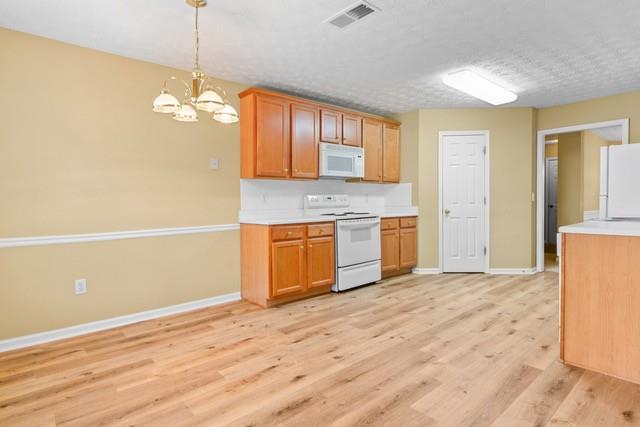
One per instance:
(199, 95)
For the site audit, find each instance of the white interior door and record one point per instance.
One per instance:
(463, 203)
(552, 205)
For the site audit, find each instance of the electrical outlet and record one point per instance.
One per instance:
(214, 164)
(80, 286)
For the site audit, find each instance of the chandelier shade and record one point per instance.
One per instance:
(199, 94)
(227, 115)
(166, 103)
(209, 101)
(186, 113)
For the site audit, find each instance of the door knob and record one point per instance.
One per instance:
(447, 211)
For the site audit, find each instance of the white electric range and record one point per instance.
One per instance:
(357, 240)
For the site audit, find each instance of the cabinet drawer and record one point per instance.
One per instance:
(408, 222)
(389, 223)
(287, 232)
(318, 230)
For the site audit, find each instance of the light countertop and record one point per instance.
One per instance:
(612, 228)
(299, 218)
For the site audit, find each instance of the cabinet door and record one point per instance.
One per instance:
(372, 144)
(321, 268)
(304, 141)
(287, 267)
(391, 153)
(331, 126)
(390, 252)
(272, 137)
(351, 130)
(408, 247)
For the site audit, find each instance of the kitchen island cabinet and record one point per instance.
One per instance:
(600, 301)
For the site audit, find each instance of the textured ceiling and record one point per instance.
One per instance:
(547, 51)
(611, 133)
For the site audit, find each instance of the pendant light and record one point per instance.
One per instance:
(200, 95)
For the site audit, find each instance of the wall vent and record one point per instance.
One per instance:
(352, 14)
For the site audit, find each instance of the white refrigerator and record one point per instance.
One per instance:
(620, 181)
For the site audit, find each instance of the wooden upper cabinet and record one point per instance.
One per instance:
(304, 141)
(272, 137)
(280, 136)
(408, 247)
(352, 130)
(288, 267)
(372, 144)
(391, 153)
(331, 126)
(321, 269)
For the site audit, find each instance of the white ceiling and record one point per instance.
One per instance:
(547, 51)
(610, 133)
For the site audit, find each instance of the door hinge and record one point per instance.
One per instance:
(485, 250)
(484, 150)
(485, 200)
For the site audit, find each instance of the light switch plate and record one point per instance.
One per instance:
(214, 164)
(80, 286)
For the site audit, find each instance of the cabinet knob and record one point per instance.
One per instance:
(289, 233)
(310, 246)
(301, 247)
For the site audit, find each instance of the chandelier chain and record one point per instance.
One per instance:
(197, 64)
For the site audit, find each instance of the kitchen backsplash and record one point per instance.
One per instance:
(281, 195)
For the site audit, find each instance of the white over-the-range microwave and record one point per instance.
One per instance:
(341, 161)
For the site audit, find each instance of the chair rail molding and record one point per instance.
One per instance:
(14, 242)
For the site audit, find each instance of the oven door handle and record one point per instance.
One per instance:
(358, 225)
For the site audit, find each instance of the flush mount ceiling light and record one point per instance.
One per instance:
(200, 95)
(477, 86)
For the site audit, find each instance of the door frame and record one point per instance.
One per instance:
(540, 171)
(487, 193)
(546, 190)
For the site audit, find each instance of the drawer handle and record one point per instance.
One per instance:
(289, 233)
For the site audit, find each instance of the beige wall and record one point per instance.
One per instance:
(570, 179)
(409, 150)
(512, 178)
(80, 152)
(591, 144)
(626, 105)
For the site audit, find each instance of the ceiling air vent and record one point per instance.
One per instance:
(352, 14)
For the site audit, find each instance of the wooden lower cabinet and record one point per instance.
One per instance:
(408, 247)
(390, 250)
(319, 271)
(286, 262)
(398, 240)
(288, 266)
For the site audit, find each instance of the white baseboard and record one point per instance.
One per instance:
(426, 271)
(114, 322)
(509, 271)
(513, 271)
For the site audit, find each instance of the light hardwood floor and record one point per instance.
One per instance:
(450, 350)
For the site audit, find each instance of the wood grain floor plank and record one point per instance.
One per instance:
(447, 350)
